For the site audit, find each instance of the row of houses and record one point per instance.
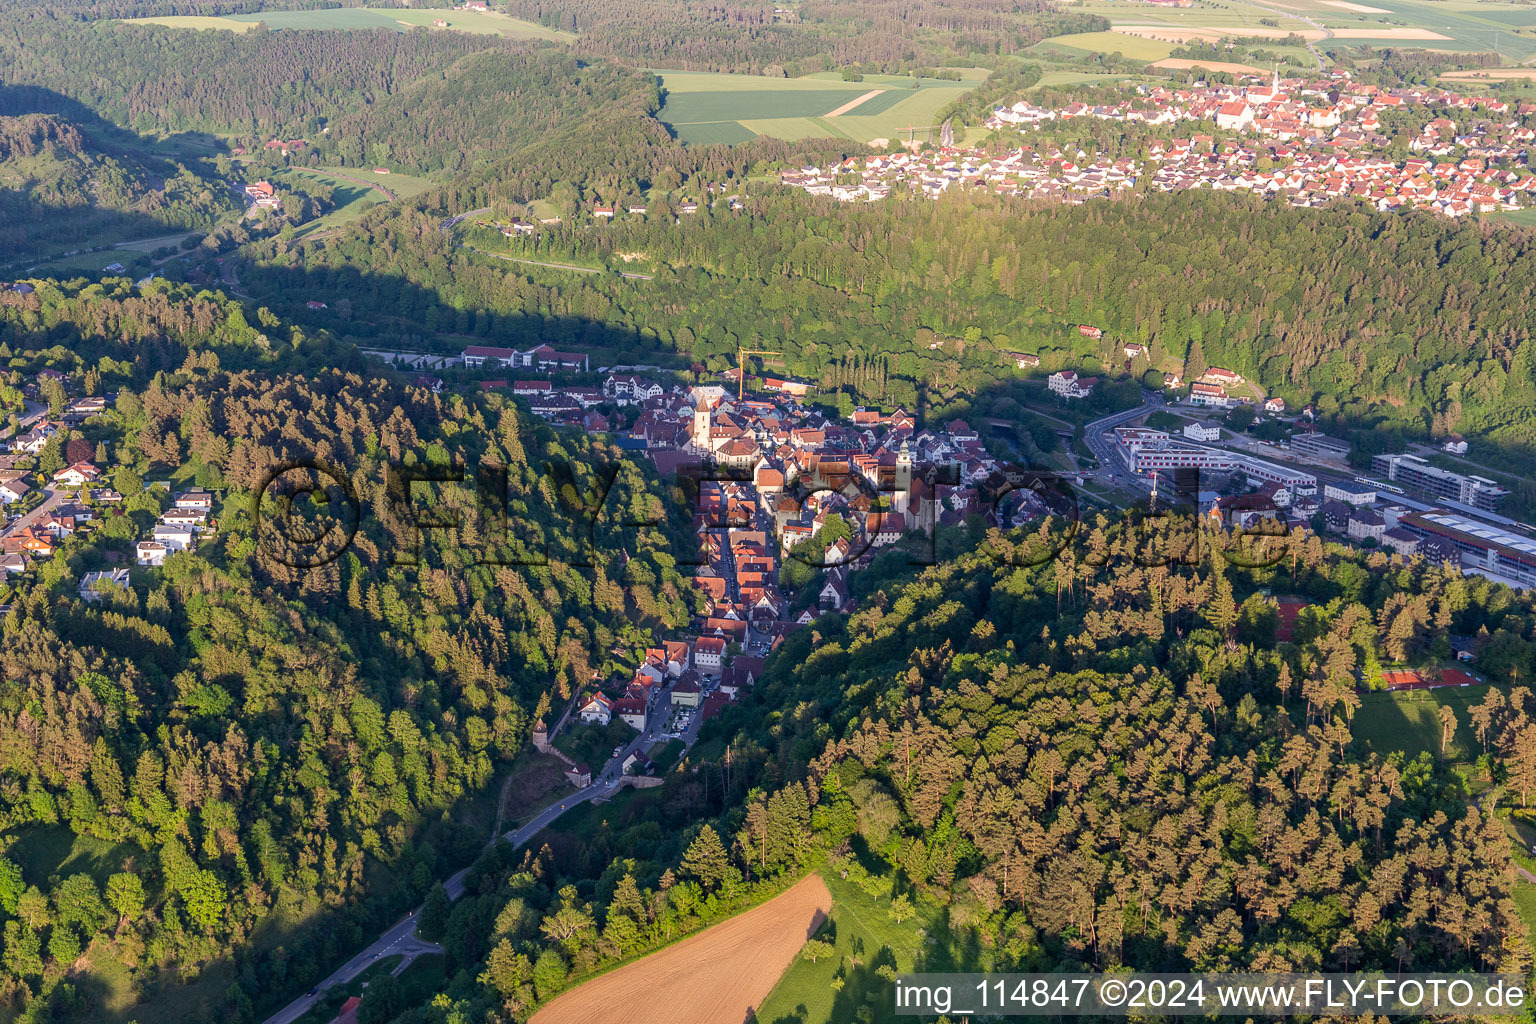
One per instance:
(542, 358)
(178, 528)
(1317, 142)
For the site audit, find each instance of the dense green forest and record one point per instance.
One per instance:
(878, 34)
(1068, 765)
(256, 741)
(261, 84)
(441, 123)
(1083, 763)
(1403, 324)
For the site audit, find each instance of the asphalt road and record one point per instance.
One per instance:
(1095, 436)
(401, 938)
(52, 497)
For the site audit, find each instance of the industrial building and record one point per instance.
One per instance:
(1320, 446)
(1413, 473)
(1483, 546)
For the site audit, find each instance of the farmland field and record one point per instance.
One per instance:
(720, 974)
(704, 108)
(396, 20)
(1468, 25)
(1209, 65)
(1134, 47)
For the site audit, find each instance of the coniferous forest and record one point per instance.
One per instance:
(221, 780)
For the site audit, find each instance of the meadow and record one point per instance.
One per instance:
(865, 938)
(353, 199)
(704, 108)
(1465, 25)
(396, 20)
(1408, 721)
(1133, 47)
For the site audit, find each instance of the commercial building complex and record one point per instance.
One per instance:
(1413, 473)
(1483, 546)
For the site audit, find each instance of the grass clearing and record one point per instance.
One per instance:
(1525, 217)
(865, 938)
(44, 850)
(95, 264)
(1408, 721)
(1524, 894)
(352, 198)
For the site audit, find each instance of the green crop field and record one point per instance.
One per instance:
(697, 107)
(1134, 47)
(1468, 25)
(705, 108)
(396, 20)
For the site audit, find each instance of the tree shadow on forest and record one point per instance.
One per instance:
(38, 240)
(284, 957)
(389, 311)
(19, 100)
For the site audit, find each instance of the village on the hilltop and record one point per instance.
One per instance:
(1308, 142)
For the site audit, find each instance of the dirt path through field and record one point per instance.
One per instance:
(840, 111)
(713, 977)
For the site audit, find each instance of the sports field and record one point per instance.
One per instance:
(703, 108)
(1408, 721)
(352, 198)
(396, 20)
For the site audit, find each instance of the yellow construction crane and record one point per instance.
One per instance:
(741, 367)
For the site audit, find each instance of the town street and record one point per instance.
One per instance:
(1103, 447)
(52, 497)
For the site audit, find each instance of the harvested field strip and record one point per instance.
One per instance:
(714, 977)
(840, 111)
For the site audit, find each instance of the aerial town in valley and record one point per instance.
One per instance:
(794, 467)
(1306, 142)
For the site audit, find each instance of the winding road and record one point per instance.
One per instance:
(1324, 29)
(401, 938)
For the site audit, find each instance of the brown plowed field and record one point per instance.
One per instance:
(714, 977)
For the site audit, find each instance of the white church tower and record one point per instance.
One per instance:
(701, 424)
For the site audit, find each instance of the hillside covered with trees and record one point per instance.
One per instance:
(58, 187)
(260, 744)
(1061, 764)
(1401, 324)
